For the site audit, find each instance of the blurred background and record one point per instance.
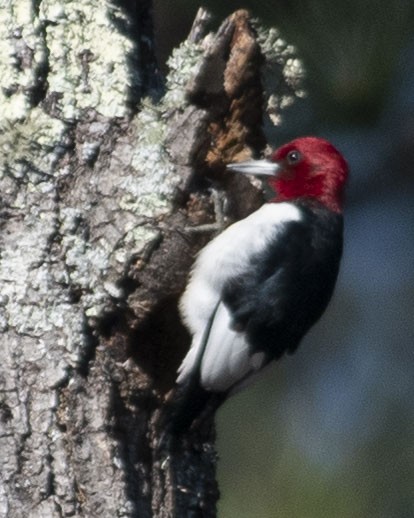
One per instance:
(330, 431)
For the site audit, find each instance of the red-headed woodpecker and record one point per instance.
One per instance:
(258, 287)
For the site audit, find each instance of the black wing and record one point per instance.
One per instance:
(289, 284)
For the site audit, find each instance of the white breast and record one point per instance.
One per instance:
(226, 355)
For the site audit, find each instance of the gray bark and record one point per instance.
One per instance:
(99, 175)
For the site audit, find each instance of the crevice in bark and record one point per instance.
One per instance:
(159, 343)
(87, 352)
(39, 90)
(137, 24)
(133, 450)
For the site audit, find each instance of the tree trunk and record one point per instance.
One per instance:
(101, 170)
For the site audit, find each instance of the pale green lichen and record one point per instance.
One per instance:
(30, 147)
(149, 191)
(32, 296)
(83, 260)
(88, 56)
(139, 237)
(20, 53)
(146, 204)
(283, 74)
(23, 12)
(184, 63)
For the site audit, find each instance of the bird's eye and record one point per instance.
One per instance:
(293, 157)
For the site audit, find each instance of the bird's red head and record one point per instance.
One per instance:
(305, 168)
(310, 167)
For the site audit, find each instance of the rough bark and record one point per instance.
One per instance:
(100, 173)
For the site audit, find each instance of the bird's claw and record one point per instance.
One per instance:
(219, 202)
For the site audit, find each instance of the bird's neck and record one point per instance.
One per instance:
(316, 196)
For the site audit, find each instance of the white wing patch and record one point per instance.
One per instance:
(226, 359)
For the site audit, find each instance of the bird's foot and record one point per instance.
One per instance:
(220, 222)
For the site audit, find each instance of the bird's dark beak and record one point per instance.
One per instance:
(256, 167)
